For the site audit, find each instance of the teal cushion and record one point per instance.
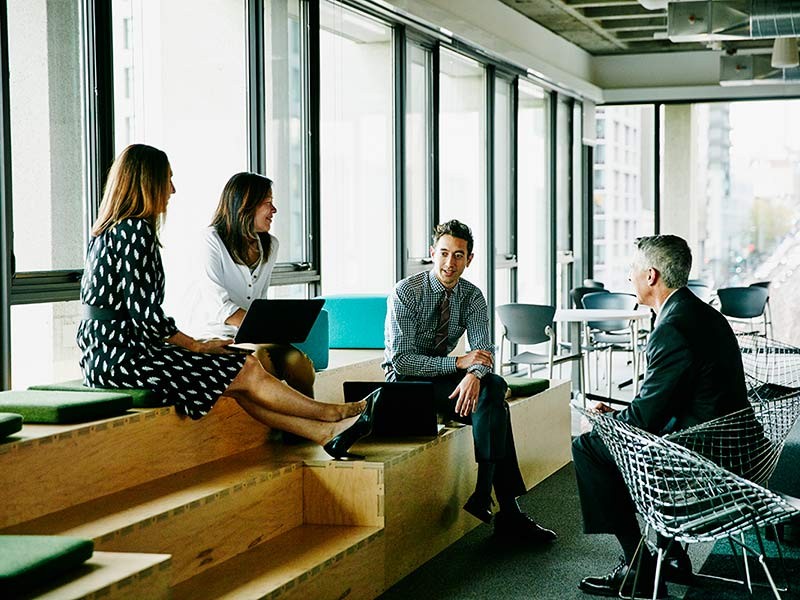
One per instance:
(356, 320)
(26, 561)
(140, 398)
(38, 406)
(526, 386)
(9, 423)
(316, 344)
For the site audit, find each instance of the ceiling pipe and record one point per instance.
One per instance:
(715, 20)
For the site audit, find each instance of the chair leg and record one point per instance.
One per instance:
(637, 557)
(608, 370)
(659, 560)
(779, 546)
(746, 566)
(762, 560)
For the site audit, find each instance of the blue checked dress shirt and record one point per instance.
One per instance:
(412, 317)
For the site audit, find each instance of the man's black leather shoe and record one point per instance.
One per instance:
(480, 508)
(338, 447)
(609, 585)
(677, 567)
(520, 527)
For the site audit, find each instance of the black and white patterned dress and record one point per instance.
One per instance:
(124, 273)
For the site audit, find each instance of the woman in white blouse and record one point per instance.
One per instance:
(239, 255)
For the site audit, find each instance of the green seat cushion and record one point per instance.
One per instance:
(141, 398)
(9, 423)
(26, 561)
(39, 406)
(526, 386)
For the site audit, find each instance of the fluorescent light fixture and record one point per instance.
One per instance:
(784, 53)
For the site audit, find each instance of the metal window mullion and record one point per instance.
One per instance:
(553, 189)
(588, 186)
(312, 89)
(400, 83)
(657, 168)
(490, 199)
(513, 188)
(256, 87)
(434, 136)
(6, 229)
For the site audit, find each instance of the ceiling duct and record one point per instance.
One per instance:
(714, 20)
(748, 69)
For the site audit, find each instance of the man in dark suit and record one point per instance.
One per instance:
(694, 374)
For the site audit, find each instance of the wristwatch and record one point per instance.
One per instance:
(478, 373)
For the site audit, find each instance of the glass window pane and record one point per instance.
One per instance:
(285, 125)
(188, 97)
(533, 203)
(357, 152)
(293, 291)
(418, 155)
(47, 163)
(623, 210)
(462, 153)
(504, 237)
(43, 347)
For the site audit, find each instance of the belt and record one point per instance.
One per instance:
(104, 314)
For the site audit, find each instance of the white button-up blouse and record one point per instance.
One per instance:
(226, 287)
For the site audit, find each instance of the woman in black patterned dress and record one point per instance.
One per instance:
(128, 342)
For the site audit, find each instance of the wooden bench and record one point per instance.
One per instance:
(243, 517)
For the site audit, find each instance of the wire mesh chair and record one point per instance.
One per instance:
(688, 498)
(771, 368)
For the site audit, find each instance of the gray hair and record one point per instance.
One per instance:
(667, 254)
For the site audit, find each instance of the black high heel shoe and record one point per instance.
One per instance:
(338, 447)
(480, 508)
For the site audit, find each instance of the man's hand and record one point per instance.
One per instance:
(603, 408)
(476, 357)
(467, 392)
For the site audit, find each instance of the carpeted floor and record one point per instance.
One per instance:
(479, 567)
(721, 563)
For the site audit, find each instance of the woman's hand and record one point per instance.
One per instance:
(212, 346)
(193, 345)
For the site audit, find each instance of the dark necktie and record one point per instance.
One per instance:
(440, 339)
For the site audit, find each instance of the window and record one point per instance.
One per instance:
(49, 176)
(356, 152)
(419, 155)
(505, 242)
(189, 99)
(742, 185)
(47, 166)
(533, 200)
(626, 210)
(286, 127)
(462, 153)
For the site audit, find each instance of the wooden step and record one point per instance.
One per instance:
(202, 516)
(312, 561)
(111, 576)
(50, 468)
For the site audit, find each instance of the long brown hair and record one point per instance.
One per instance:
(138, 186)
(234, 217)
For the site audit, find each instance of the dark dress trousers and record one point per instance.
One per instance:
(694, 374)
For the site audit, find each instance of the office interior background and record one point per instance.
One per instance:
(559, 136)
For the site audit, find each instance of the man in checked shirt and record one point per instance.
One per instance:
(427, 315)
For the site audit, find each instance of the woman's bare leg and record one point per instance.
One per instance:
(255, 385)
(290, 364)
(317, 431)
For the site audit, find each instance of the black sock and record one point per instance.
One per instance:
(630, 542)
(508, 504)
